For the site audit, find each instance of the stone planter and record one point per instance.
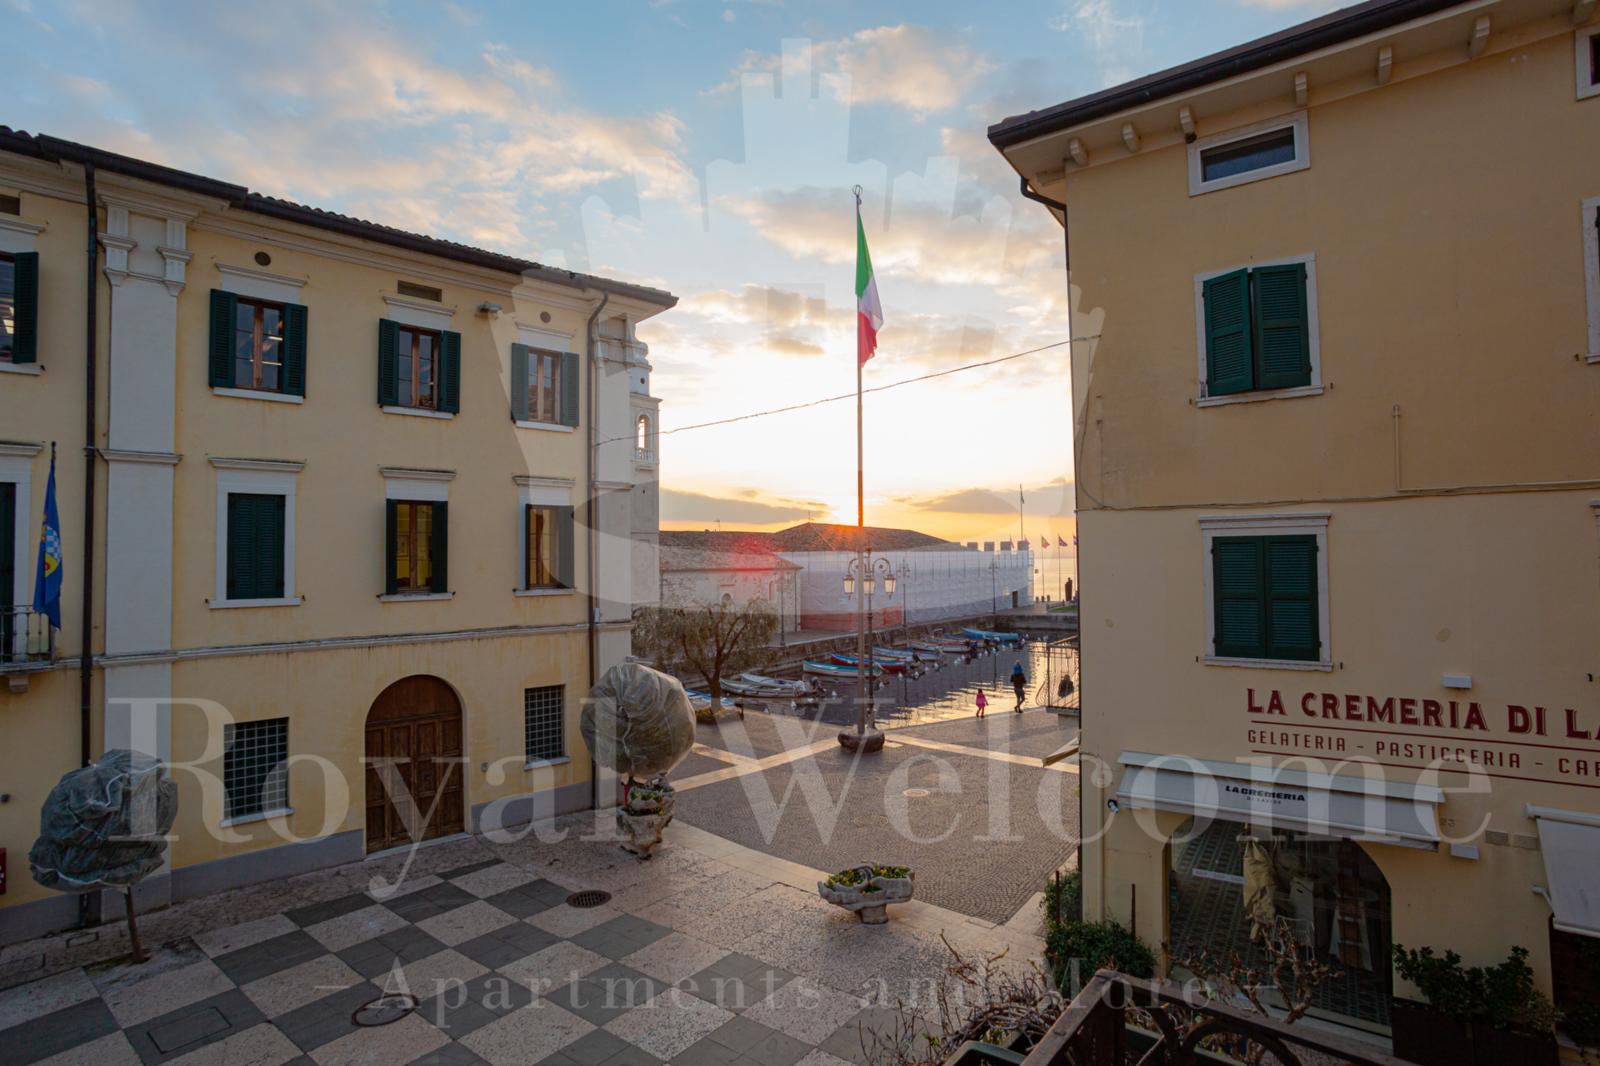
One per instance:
(643, 817)
(871, 893)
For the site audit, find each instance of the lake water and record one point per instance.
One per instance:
(950, 691)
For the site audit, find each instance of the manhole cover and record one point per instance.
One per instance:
(591, 898)
(916, 793)
(384, 1010)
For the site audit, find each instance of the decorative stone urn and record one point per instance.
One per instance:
(868, 890)
(646, 810)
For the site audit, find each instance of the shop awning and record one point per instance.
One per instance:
(1570, 841)
(1335, 805)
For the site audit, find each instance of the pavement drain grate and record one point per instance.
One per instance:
(592, 897)
(385, 1010)
(916, 793)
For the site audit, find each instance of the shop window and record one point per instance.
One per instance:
(1252, 891)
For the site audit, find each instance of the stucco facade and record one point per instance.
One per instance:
(1439, 454)
(176, 656)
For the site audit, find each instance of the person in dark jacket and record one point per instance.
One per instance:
(1019, 681)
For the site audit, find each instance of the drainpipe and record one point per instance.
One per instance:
(1040, 198)
(92, 292)
(589, 524)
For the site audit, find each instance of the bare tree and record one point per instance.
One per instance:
(714, 640)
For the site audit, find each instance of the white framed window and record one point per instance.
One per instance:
(416, 552)
(1275, 323)
(1236, 157)
(16, 504)
(1591, 270)
(259, 492)
(1586, 59)
(546, 531)
(1267, 530)
(544, 725)
(255, 770)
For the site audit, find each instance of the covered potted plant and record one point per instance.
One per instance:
(868, 890)
(1483, 1015)
(638, 722)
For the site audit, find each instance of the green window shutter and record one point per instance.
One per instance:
(272, 543)
(256, 536)
(241, 547)
(391, 524)
(1282, 326)
(224, 311)
(519, 382)
(566, 544)
(1229, 362)
(388, 368)
(294, 349)
(1293, 619)
(440, 547)
(571, 378)
(1238, 579)
(527, 546)
(450, 372)
(25, 302)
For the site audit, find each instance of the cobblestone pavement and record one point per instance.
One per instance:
(983, 824)
(710, 953)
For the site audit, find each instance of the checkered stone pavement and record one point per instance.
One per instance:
(502, 971)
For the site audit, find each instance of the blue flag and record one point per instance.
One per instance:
(47, 576)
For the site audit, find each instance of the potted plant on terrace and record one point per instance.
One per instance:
(868, 890)
(1482, 1015)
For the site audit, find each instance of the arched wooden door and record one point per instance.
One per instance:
(413, 763)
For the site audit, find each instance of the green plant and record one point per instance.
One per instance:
(1503, 996)
(1063, 899)
(1582, 1023)
(859, 875)
(1097, 945)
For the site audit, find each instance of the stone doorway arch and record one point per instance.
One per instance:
(413, 765)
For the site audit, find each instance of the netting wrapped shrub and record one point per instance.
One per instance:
(105, 825)
(639, 723)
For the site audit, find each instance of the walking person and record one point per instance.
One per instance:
(983, 703)
(1019, 681)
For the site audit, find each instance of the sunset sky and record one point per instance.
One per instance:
(707, 148)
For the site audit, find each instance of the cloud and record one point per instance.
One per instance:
(680, 506)
(359, 116)
(1112, 36)
(915, 68)
(923, 240)
(964, 501)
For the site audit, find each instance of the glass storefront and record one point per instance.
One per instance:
(1229, 885)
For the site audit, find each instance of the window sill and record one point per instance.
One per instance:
(539, 764)
(551, 427)
(1592, 357)
(416, 412)
(543, 592)
(1269, 664)
(256, 394)
(415, 597)
(282, 601)
(31, 369)
(1264, 394)
(259, 816)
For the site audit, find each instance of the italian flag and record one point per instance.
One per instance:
(869, 312)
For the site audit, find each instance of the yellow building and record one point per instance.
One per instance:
(1336, 422)
(370, 511)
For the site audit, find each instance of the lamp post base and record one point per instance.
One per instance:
(870, 741)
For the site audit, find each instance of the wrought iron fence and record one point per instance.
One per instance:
(1058, 685)
(26, 636)
(1118, 1020)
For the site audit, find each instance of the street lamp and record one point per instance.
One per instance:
(861, 580)
(905, 612)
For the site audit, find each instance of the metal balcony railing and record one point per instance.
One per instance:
(26, 637)
(1118, 1020)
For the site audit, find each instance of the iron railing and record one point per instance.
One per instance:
(1058, 687)
(26, 637)
(1119, 1020)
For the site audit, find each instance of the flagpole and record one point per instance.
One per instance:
(862, 670)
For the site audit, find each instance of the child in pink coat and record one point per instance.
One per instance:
(983, 703)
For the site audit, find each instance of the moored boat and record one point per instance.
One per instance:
(894, 666)
(992, 636)
(811, 666)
